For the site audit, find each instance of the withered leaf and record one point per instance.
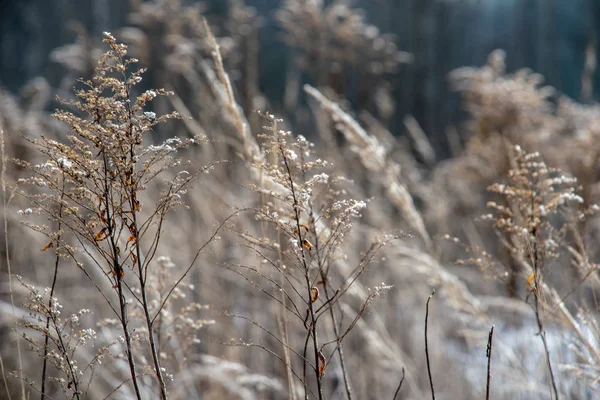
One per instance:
(48, 246)
(315, 294)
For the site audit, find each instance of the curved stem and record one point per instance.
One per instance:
(427, 347)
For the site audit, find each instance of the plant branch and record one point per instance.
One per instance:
(400, 384)
(427, 346)
(489, 364)
(52, 287)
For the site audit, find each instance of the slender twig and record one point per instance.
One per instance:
(65, 353)
(537, 268)
(353, 323)
(193, 262)
(542, 334)
(238, 271)
(328, 298)
(149, 320)
(400, 384)
(118, 271)
(427, 346)
(274, 354)
(52, 288)
(313, 326)
(116, 389)
(134, 208)
(489, 364)
(267, 331)
(304, 363)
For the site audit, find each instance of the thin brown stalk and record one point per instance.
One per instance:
(400, 384)
(141, 275)
(65, 353)
(193, 262)
(52, 288)
(427, 346)
(489, 364)
(153, 348)
(542, 334)
(328, 299)
(267, 331)
(537, 268)
(304, 364)
(118, 271)
(313, 325)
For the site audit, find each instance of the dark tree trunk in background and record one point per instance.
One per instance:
(548, 36)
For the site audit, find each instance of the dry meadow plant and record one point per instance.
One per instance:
(294, 270)
(90, 188)
(309, 217)
(63, 344)
(538, 223)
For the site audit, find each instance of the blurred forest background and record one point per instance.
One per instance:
(551, 37)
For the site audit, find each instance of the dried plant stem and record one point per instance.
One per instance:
(340, 349)
(489, 364)
(537, 264)
(5, 201)
(400, 384)
(313, 321)
(328, 299)
(193, 262)
(52, 288)
(141, 273)
(313, 333)
(123, 310)
(427, 346)
(149, 320)
(65, 353)
(542, 334)
(118, 271)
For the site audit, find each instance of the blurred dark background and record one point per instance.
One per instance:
(549, 36)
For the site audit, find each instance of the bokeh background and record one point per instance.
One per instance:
(552, 37)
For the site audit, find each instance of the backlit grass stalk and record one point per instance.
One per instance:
(6, 198)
